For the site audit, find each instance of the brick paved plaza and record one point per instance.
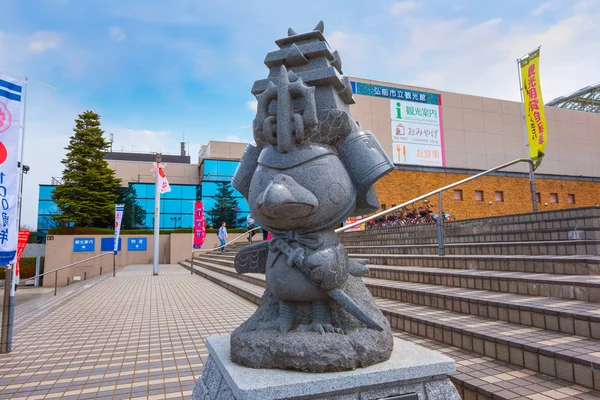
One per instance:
(133, 336)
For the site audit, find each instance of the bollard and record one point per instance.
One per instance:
(192, 264)
(440, 226)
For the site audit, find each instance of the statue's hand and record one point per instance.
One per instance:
(328, 267)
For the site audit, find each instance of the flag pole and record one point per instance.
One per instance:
(523, 118)
(156, 215)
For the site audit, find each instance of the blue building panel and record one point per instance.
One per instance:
(107, 244)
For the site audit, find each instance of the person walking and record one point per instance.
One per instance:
(222, 234)
(250, 224)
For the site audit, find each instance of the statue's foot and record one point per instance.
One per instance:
(283, 323)
(321, 320)
(319, 328)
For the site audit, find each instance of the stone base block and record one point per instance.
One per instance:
(413, 371)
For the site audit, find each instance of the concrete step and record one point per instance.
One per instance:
(572, 287)
(552, 248)
(566, 316)
(476, 377)
(564, 265)
(382, 237)
(569, 357)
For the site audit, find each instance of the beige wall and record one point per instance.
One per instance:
(481, 133)
(59, 253)
(223, 150)
(173, 248)
(139, 171)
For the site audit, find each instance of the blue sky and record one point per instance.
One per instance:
(156, 70)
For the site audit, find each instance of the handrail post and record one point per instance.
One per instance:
(192, 264)
(440, 226)
(6, 334)
(55, 281)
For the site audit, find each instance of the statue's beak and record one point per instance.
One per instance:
(285, 198)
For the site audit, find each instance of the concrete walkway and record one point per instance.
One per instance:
(133, 336)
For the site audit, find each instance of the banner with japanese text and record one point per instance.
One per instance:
(535, 119)
(163, 183)
(21, 244)
(10, 123)
(119, 208)
(199, 225)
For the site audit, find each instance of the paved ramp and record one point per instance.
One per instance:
(132, 336)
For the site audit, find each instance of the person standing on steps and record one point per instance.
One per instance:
(250, 224)
(222, 234)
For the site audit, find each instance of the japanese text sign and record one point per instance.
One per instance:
(22, 243)
(137, 244)
(535, 118)
(10, 124)
(199, 225)
(81, 245)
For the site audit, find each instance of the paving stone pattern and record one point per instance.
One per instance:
(133, 336)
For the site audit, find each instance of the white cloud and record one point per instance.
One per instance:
(233, 138)
(403, 7)
(43, 41)
(252, 104)
(542, 8)
(477, 58)
(117, 34)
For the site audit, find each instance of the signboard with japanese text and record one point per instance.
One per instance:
(537, 129)
(81, 245)
(137, 244)
(417, 133)
(22, 243)
(10, 125)
(108, 244)
(199, 225)
(367, 89)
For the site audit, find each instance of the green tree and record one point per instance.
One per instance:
(225, 208)
(134, 215)
(88, 192)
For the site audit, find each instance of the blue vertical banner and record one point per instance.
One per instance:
(10, 125)
(119, 208)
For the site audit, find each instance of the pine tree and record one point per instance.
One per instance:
(133, 213)
(225, 208)
(88, 193)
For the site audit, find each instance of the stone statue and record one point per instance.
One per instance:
(310, 169)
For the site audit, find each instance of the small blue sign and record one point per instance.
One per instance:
(108, 244)
(137, 244)
(81, 245)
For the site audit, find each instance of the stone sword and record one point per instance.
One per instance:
(296, 257)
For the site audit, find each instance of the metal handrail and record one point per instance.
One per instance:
(222, 246)
(67, 266)
(423, 197)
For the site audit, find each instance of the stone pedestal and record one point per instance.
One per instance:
(413, 371)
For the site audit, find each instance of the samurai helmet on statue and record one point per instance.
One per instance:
(303, 112)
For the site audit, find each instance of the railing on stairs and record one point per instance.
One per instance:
(439, 192)
(219, 247)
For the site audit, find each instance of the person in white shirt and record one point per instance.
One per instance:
(222, 234)
(250, 224)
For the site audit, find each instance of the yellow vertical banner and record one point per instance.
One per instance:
(535, 119)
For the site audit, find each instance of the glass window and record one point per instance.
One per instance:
(188, 192)
(46, 192)
(479, 195)
(571, 199)
(458, 194)
(149, 221)
(553, 197)
(538, 197)
(175, 192)
(499, 196)
(170, 206)
(47, 207)
(187, 220)
(210, 170)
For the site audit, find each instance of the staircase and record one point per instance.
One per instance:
(515, 300)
